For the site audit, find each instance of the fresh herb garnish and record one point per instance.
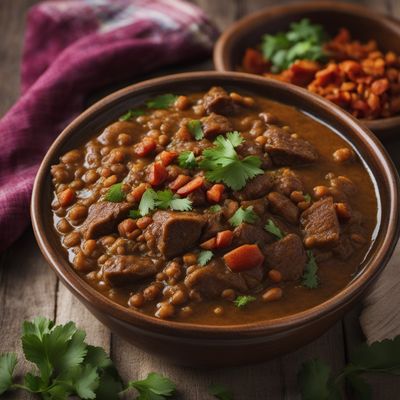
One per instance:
(242, 301)
(162, 199)
(115, 194)
(215, 208)
(243, 215)
(187, 160)
(68, 367)
(307, 198)
(162, 101)
(304, 41)
(130, 114)
(272, 228)
(310, 277)
(220, 392)
(195, 129)
(222, 163)
(204, 257)
(134, 214)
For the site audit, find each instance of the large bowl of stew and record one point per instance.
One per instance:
(216, 218)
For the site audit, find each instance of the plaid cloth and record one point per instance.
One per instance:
(72, 48)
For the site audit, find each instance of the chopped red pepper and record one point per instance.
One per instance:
(180, 181)
(224, 239)
(244, 257)
(214, 194)
(157, 174)
(209, 244)
(191, 186)
(167, 157)
(146, 146)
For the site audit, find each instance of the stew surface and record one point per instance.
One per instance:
(215, 208)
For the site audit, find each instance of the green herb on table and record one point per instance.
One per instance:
(162, 101)
(304, 41)
(130, 114)
(310, 277)
(187, 160)
(204, 257)
(215, 208)
(243, 215)
(243, 301)
(273, 229)
(220, 392)
(195, 129)
(115, 194)
(222, 163)
(67, 366)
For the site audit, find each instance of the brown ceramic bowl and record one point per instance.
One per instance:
(364, 24)
(202, 345)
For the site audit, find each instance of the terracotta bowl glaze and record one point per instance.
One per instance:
(364, 25)
(202, 345)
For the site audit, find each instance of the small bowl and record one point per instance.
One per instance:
(363, 24)
(209, 345)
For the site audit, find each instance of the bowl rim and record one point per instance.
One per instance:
(100, 302)
(224, 45)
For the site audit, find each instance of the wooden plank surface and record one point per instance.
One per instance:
(28, 288)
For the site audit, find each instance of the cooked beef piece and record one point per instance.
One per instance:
(257, 187)
(251, 148)
(210, 281)
(173, 233)
(215, 222)
(320, 224)
(286, 181)
(259, 205)
(217, 100)
(251, 234)
(103, 218)
(287, 256)
(284, 207)
(344, 249)
(198, 198)
(215, 124)
(287, 150)
(122, 270)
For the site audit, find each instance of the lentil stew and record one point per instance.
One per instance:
(215, 208)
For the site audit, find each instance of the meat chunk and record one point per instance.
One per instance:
(210, 281)
(252, 148)
(257, 187)
(320, 224)
(287, 256)
(259, 205)
(173, 233)
(123, 270)
(215, 222)
(287, 150)
(216, 100)
(284, 207)
(198, 198)
(214, 125)
(251, 234)
(103, 218)
(287, 181)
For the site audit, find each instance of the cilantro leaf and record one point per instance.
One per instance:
(162, 199)
(154, 387)
(147, 202)
(242, 301)
(162, 101)
(130, 114)
(134, 214)
(310, 277)
(86, 382)
(215, 208)
(179, 204)
(8, 362)
(316, 382)
(243, 215)
(187, 160)
(204, 257)
(272, 228)
(222, 163)
(115, 194)
(195, 129)
(220, 392)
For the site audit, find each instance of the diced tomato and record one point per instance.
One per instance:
(214, 194)
(191, 186)
(157, 174)
(224, 239)
(244, 257)
(209, 244)
(254, 62)
(304, 72)
(138, 191)
(66, 197)
(146, 146)
(180, 181)
(167, 157)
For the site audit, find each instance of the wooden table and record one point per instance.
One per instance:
(28, 288)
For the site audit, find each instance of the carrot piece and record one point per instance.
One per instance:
(179, 182)
(209, 244)
(146, 146)
(191, 186)
(138, 191)
(244, 257)
(224, 239)
(66, 197)
(214, 194)
(157, 174)
(167, 157)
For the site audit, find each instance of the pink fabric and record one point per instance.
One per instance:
(72, 48)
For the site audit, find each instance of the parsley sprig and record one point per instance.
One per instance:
(204, 257)
(273, 229)
(115, 193)
(243, 215)
(195, 129)
(187, 159)
(222, 162)
(310, 277)
(243, 301)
